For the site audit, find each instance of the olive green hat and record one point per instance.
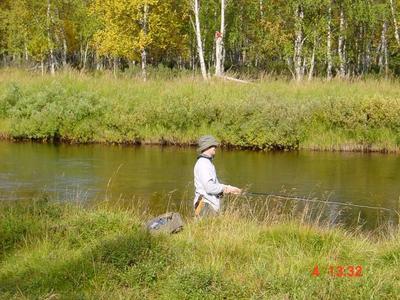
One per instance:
(206, 142)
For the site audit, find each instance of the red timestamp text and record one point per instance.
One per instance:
(340, 271)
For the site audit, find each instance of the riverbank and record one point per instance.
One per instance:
(53, 250)
(264, 115)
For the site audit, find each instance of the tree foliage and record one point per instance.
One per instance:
(259, 35)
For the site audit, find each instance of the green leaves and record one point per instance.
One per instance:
(258, 38)
(56, 112)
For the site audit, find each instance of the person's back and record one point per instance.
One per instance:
(206, 183)
(209, 190)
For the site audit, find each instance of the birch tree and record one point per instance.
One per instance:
(144, 31)
(329, 43)
(383, 57)
(196, 11)
(298, 43)
(312, 61)
(341, 46)
(396, 28)
(49, 39)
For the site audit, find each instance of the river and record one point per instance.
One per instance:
(161, 177)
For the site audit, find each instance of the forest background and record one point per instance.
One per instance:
(296, 38)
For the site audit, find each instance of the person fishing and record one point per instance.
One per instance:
(208, 190)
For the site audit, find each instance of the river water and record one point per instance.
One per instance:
(149, 173)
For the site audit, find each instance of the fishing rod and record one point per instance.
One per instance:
(318, 201)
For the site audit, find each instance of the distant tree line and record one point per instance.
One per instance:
(298, 38)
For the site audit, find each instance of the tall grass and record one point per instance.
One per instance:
(72, 107)
(58, 251)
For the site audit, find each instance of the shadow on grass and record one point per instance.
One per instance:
(135, 258)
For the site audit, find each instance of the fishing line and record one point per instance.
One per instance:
(319, 201)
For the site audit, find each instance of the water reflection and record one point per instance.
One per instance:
(147, 173)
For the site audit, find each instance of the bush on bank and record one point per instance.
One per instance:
(275, 115)
(51, 250)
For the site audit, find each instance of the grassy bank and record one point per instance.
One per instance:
(268, 114)
(55, 251)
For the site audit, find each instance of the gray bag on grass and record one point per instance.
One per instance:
(166, 223)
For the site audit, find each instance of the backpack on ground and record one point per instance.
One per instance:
(166, 223)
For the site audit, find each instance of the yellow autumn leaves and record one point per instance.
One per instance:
(127, 27)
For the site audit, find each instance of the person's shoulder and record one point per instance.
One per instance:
(202, 161)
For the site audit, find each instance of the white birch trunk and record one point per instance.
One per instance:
(144, 64)
(51, 58)
(396, 28)
(328, 45)
(342, 70)
(196, 10)
(368, 57)
(299, 15)
(312, 62)
(346, 67)
(65, 50)
(219, 44)
(85, 56)
(144, 53)
(383, 58)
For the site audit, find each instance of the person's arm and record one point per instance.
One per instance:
(211, 184)
(229, 189)
(232, 190)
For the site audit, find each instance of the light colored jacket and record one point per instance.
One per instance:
(206, 183)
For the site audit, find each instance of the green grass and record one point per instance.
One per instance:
(267, 115)
(63, 251)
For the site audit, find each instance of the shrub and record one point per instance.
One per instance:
(252, 116)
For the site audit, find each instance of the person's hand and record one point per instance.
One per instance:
(232, 190)
(236, 191)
